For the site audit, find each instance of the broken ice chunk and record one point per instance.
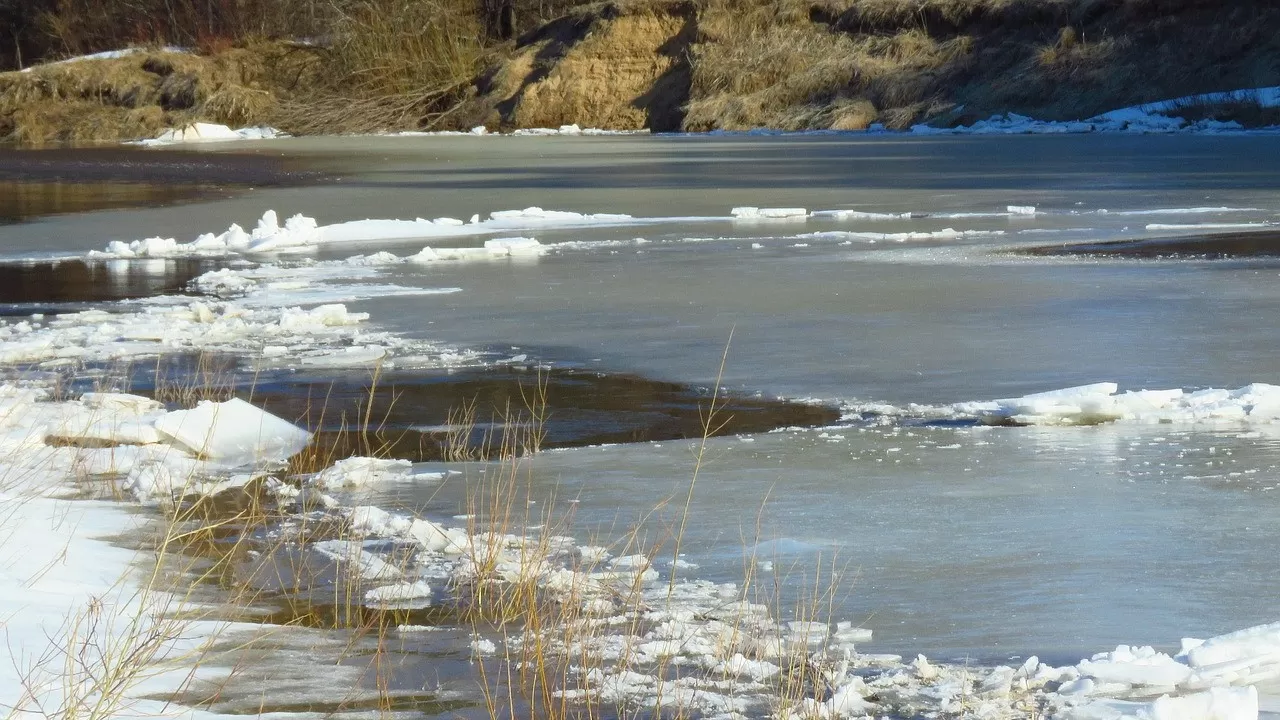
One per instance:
(233, 432)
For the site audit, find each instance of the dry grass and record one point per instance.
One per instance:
(665, 65)
(749, 73)
(139, 95)
(619, 64)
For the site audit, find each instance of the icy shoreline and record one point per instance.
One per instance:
(1158, 117)
(629, 612)
(644, 626)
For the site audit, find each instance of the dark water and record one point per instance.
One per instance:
(69, 286)
(418, 416)
(423, 416)
(38, 183)
(25, 200)
(1215, 246)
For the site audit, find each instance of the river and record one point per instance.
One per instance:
(955, 539)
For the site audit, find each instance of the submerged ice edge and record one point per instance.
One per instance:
(1093, 404)
(633, 615)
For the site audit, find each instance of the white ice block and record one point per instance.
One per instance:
(234, 432)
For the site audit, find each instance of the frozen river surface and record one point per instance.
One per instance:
(955, 539)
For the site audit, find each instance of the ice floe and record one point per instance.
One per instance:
(360, 471)
(233, 431)
(874, 237)
(757, 213)
(300, 233)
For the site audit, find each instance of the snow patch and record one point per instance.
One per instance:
(1155, 117)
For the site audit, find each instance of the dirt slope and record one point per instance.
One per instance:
(703, 65)
(842, 64)
(617, 65)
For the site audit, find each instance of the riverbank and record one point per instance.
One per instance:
(675, 65)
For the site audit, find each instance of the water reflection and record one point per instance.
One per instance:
(22, 201)
(51, 287)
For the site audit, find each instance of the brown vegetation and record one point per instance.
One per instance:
(843, 64)
(141, 94)
(632, 64)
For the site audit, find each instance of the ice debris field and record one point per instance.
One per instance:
(634, 620)
(655, 637)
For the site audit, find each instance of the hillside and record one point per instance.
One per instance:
(843, 64)
(668, 65)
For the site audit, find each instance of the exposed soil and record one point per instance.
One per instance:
(840, 64)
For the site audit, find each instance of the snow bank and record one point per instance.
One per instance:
(1101, 403)
(497, 249)
(104, 55)
(151, 452)
(209, 132)
(1155, 117)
